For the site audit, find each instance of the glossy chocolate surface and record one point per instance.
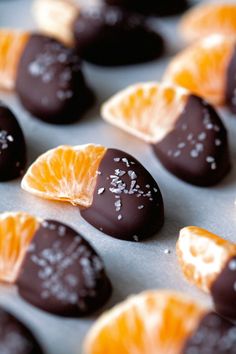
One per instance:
(196, 151)
(231, 83)
(50, 83)
(12, 145)
(214, 335)
(223, 290)
(127, 203)
(152, 7)
(15, 338)
(62, 274)
(110, 36)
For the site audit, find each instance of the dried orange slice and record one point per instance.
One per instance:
(202, 67)
(16, 232)
(56, 17)
(149, 323)
(12, 44)
(147, 110)
(65, 173)
(202, 255)
(207, 19)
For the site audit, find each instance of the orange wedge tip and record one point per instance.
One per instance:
(16, 232)
(202, 67)
(147, 110)
(12, 44)
(149, 323)
(202, 255)
(65, 173)
(210, 18)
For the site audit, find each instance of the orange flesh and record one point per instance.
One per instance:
(56, 18)
(12, 44)
(202, 67)
(16, 233)
(66, 174)
(146, 110)
(202, 255)
(150, 323)
(208, 19)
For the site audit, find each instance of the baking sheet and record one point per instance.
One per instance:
(132, 267)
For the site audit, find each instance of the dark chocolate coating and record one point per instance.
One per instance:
(62, 274)
(110, 36)
(127, 203)
(15, 338)
(12, 145)
(223, 290)
(153, 7)
(196, 151)
(231, 83)
(214, 335)
(50, 83)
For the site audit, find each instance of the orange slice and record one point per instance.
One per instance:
(12, 44)
(149, 323)
(66, 173)
(16, 232)
(202, 255)
(56, 18)
(202, 67)
(207, 19)
(147, 110)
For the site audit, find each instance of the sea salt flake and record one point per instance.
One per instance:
(202, 136)
(132, 174)
(101, 190)
(210, 159)
(194, 154)
(125, 160)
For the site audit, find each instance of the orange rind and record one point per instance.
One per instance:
(65, 173)
(202, 255)
(202, 67)
(149, 323)
(12, 44)
(16, 232)
(210, 18)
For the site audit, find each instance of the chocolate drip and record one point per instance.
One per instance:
(214, 335)
(153, 7)
(15, 338)
(12, 146)
(62, 274)
(127, 203)
(223, 290)
(196, 151)
(50, 83)
(231, 83)
(110, 36)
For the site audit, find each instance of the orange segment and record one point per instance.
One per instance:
(147, 110)
(56, 18)
(202, 67)
(149, 323)
(207, 19)
(66, 173)
(202, 255)
(12, 44)
(16, 232)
